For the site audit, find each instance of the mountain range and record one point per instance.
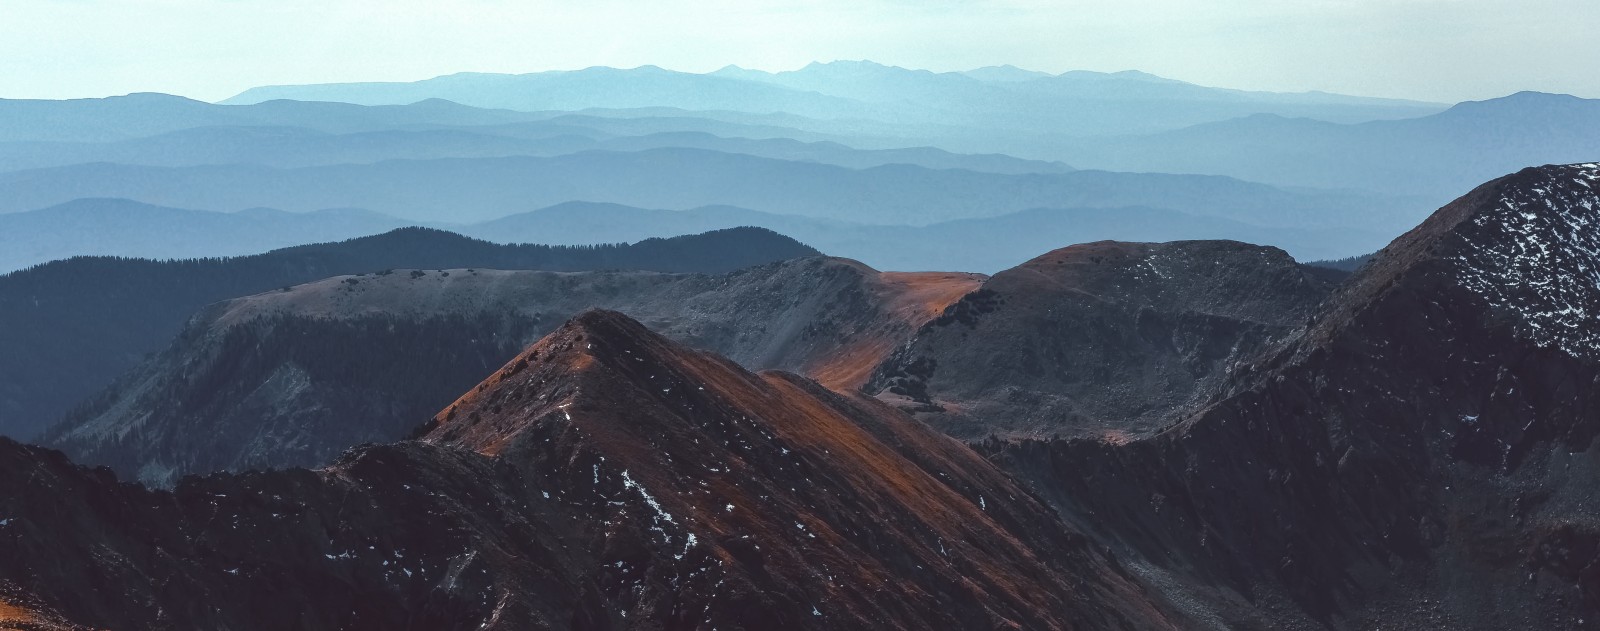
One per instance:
(606, 478)
(1409, 446)
(887, 97)
(70, 327)
(988, 152)
(122, 227)
(261, 375)
(1437, 155)
(468, 190)
(656, 350)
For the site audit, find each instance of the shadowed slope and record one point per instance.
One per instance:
(1104, 337)
(1422, 457)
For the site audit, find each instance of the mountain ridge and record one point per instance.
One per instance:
(293, 377)
(65, 342)
(894, 528)
(1420, 407)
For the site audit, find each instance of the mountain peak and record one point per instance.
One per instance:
(688, 458)
(1534, 252)
(1525, 245)
(1521, 102)
(597, 344)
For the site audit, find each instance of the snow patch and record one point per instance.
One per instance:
(1537, 256)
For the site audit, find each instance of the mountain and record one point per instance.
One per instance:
(471, 190)
(132, 229)
(606, 478)
(574, 90)
(57, 130)
(1100, 339)
(1004, 72)
(984, 245)
(125, 228)
(70, 327)
(900, 101)
(1437, 155)
(291, 147)
(1414, 448)
(1418, 458)
(294, 377)
(147, 114)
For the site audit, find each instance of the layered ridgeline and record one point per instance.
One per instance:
(1099, 339)
(70, 327)
(605, 479)
(1438, 155)
(293, 377)
(302, 141)
(125, 228)
(121, 227)
(470, 190)
(1422, 457)
(864, 94)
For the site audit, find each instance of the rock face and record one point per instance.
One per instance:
(1105, 338)
(1422, 457)
(606, 478)
(296, 376)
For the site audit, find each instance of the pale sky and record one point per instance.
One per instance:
(1441, 50)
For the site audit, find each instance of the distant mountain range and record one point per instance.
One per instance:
(120, 227)
(125, 228)
(1437, 155)
(299, 147)
(957, 171)
(470, 190)
(1071, 103)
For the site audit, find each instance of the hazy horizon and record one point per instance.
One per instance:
(1430, 50)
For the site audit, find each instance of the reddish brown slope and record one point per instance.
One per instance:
(725, 491)
(906, 301)
(606, 479)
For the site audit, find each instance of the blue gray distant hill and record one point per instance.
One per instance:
(985, 245)
(474, 190)
(121, 227)
(131, 229)
(909, 102)
(283, 146)
(1439, 155)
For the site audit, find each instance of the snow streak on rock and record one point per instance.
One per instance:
(1537, 255)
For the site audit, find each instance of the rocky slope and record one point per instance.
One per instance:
(1104, 338)
(71, 327)
(606, 478)
(1422, 457)
(294, 377)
